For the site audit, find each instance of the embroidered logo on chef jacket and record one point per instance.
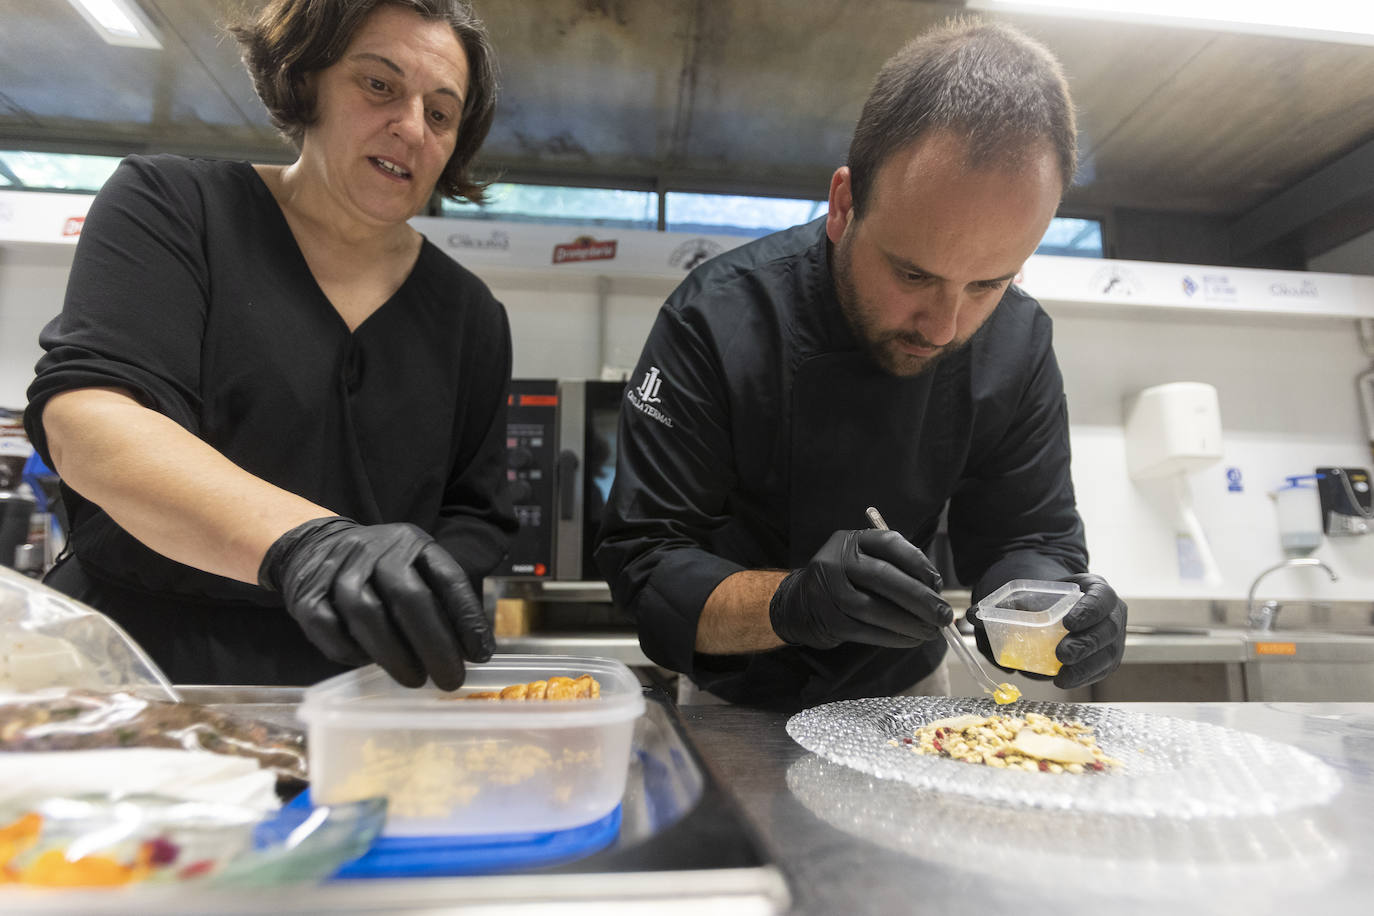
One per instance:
(643, 397)
(648, 389)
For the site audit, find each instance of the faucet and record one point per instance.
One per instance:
(1263, 618)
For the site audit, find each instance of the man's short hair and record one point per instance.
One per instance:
(289, 39)
(989, 82)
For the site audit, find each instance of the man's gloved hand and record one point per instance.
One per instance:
(872, 587)
(383, 593)
(1095, 642)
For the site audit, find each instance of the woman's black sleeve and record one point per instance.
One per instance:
(134, 313)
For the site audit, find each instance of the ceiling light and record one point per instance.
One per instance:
(1348, 21)
(119, 22)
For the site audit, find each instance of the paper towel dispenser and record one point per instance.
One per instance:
(1172, 429)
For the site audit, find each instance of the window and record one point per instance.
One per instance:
(736, 214)
(1072, 237)
(55, 171)
(535, 203)
(705, 214)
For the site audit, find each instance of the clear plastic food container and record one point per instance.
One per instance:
(454, 766)
(1024, 622)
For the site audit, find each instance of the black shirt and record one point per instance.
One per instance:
(188, 289)
(755, 426)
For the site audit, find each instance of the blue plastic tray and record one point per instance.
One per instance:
(483, 854)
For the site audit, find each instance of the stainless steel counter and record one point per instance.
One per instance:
(876, 847)
(760, 824)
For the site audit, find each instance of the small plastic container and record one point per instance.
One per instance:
(1024, 622)
(450, 766)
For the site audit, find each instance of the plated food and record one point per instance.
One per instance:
(1170, 767)
(1035, 742)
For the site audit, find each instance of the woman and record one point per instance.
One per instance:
(266, 391)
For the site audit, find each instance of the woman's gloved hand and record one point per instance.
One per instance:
(383, 593)
(872, 587)
(1096, 640)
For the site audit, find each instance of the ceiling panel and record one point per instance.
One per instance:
(586, 86)
(1245, 118)
(777, 90)
(219, 91)
(758, 94)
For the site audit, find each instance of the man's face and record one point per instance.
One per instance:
(936, 247)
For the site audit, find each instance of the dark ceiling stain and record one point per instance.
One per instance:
(564, 144)
(610, 10)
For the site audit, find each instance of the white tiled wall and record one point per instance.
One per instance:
(1286, 390)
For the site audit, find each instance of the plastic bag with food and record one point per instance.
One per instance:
(50, 640)
(72, 720)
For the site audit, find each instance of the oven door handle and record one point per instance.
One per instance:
(568, 465)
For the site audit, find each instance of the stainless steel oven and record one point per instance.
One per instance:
(561, 447)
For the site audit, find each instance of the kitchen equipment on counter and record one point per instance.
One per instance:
(1347, 505)
(1173, 430)
(16, 513)
(561, 450)
(14, 447)
(450, 766)
(1300, 515)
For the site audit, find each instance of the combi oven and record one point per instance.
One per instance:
(560, 448)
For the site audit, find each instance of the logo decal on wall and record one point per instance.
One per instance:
(1299, 289)
(1117, 281)
(496, 241)
(1218, 288)
(693, 252)
(584, 248)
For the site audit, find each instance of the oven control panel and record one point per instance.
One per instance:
(531, 458)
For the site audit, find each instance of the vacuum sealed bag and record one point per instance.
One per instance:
(71, 720)
(71, 679)
(50, 640)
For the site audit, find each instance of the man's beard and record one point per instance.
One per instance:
(863, 318)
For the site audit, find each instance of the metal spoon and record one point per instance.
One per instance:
(1001, 693)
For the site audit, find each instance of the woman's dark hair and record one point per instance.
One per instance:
(289, 39)
(999, 88)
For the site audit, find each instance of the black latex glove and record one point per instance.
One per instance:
(1095, 642)
(383, 593)
(872, 587)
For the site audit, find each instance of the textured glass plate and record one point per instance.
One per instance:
(1172, 767)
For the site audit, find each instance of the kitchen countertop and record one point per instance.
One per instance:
(847, 843)
(974, 858)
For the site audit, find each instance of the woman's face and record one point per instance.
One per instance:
(387, 115)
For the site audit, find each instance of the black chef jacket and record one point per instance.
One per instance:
(188, 289)
(755, 426)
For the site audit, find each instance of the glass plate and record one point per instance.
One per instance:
(194, 844)
(1006, 851)
(1171, 767)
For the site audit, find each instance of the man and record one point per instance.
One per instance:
(876, 357)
